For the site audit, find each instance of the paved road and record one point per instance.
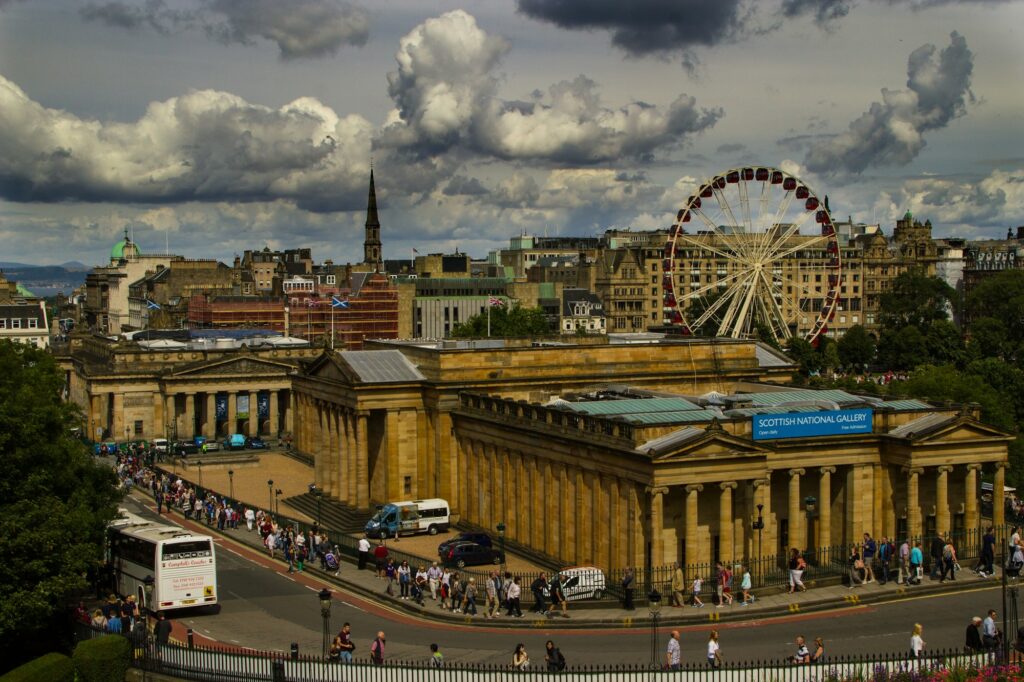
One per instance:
(264, 609)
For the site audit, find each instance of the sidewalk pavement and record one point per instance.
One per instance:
(583, 615)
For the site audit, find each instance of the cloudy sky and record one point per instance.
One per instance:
(220, 125)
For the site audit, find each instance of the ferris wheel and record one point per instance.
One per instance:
(753, 250)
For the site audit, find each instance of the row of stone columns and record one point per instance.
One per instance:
(566, 511)
(336, 436)
(942, 511)
(209, 427)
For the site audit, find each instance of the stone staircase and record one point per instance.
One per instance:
(334, 515)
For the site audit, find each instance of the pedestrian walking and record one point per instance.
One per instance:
(469, 599)
(988, 554)
(796, 571)
(380, 557)
(745, 585)
(973, 642)
(520, 659)
(557, 597)
(904, 576)
(553, 657)
(916, 560)
(724, 585)
(514, 593)
(434, 579)
(916, 642)
(884, 557)
(377, 649)
(364, 552)
(819, 650)
(949, 562)
(162, 629)
(802, 654)
(714, 651)
(346, 645)
(868, 549)
(938, 543)
(390, 575)
(991, 637)
(695, 589)
(538, 587)
(678, 586)
(404, 580)
(673, 655)
(436, 659)
(627, 590)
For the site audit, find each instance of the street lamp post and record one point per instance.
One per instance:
(231, 483)
(325, 613)
(654, 605)
(318, 494)
(501, 539)
(277, 501)
(270, 495)
(758, 525)
(811, 507)
(199, 463)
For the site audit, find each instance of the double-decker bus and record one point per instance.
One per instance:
(183, 565)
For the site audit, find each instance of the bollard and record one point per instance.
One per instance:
(295, 651)
(188, 634)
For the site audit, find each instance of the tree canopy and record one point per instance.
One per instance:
(506, 321)
(54, 505)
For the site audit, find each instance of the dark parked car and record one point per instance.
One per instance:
(479, 538)
(185, 448)
(471, 554)
(255, 443)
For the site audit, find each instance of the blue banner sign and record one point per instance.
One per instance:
(806, 424)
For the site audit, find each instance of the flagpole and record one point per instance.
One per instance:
(332, 324)
(488, 318)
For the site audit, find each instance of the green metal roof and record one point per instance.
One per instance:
(751, 411)
(907, 405)
(671, 417)
(632, 406)
(779, 397)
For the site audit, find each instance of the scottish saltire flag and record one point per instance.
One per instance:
(152, 305)
(338, 303)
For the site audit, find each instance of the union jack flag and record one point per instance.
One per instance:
(494, 300)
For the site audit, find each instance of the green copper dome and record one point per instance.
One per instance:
(125, 248)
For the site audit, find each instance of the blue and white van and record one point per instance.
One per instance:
(407, 518)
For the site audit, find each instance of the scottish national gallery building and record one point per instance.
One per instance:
(597, 452)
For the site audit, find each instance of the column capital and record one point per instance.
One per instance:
(797, 472)
(695, 488)
(654, 491)
(974, 467)
(912, 471)
(727, 485)
(1000, 465)
(944, 469)
(758, 482)
(827, 470)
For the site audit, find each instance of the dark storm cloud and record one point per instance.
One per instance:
(299, 28)
(891, 132)
(464, 186)
(205, 146)
(644, 27)
(824, 11)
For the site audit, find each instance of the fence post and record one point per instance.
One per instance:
(188, 635)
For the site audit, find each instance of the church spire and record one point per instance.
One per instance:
(372, 245)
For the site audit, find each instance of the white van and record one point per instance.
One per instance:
(161, 445)
(582, 582)
(413, 516)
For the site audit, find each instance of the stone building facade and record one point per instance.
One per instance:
(171, 389)
(501, 432)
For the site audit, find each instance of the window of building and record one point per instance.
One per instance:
(138, 427)
(33, 323)
(331, 279)
(3, 323)
(407, 482)
(15, 323)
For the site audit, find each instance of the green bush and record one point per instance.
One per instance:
(104, 659)
(52, 667)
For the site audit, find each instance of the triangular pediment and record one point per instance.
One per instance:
(695, 443)
(245, 365)
(327, 367)
(956, 429)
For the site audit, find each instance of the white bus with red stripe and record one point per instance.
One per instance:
(183, 565)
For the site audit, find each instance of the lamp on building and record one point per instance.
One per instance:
(654, 606)
(501, 539)
(325, 613)
(270, 495)
(758, 525)
(231, 483)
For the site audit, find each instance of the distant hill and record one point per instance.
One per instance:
(45, 280)
(75, 266)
